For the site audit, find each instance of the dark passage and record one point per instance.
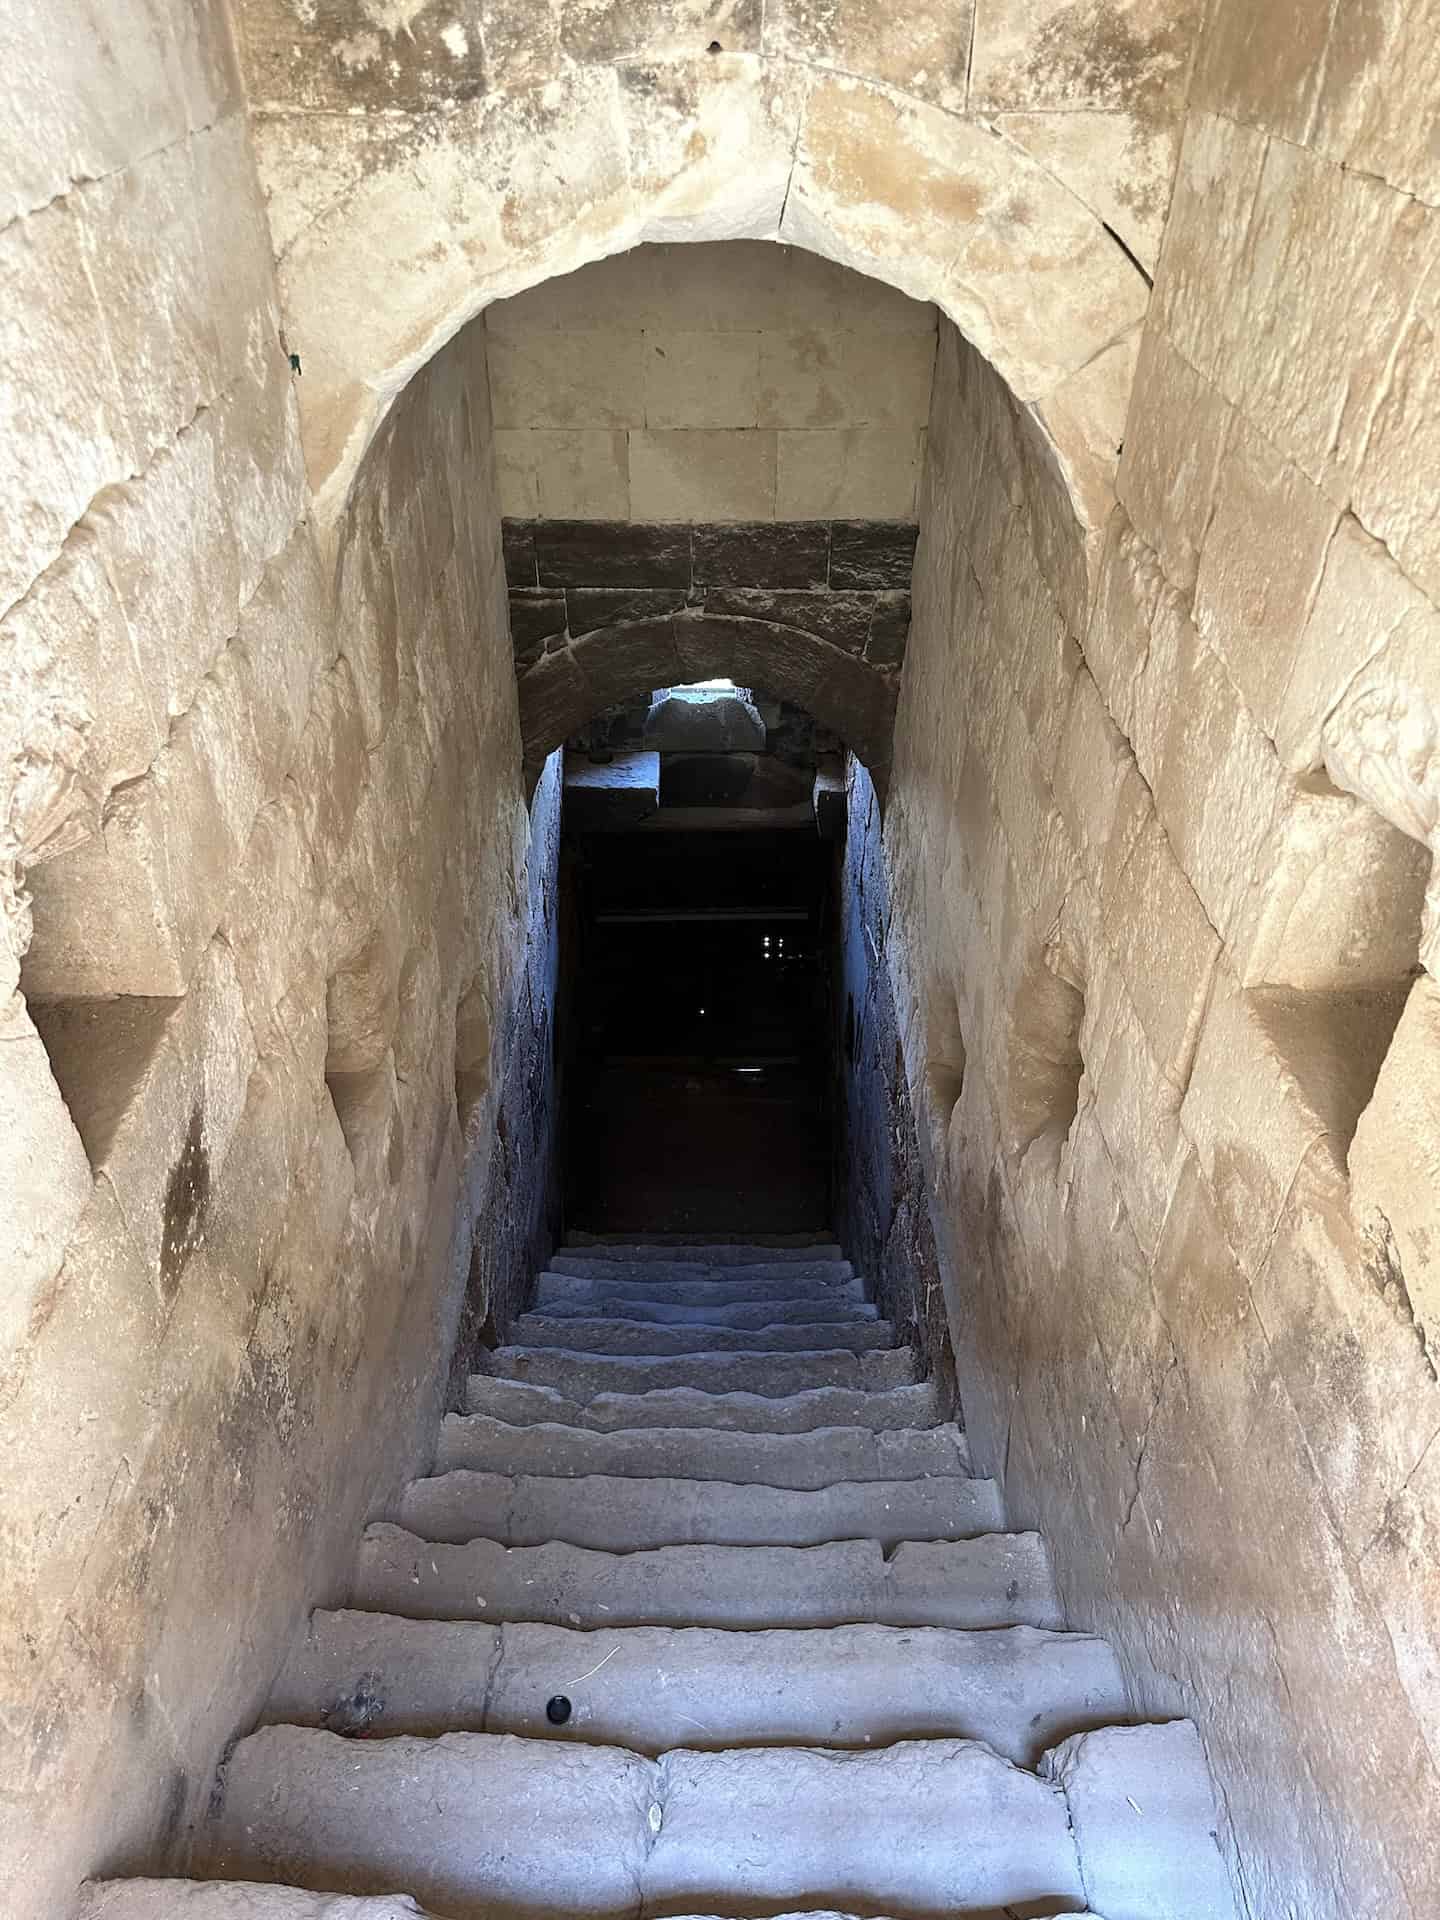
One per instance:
(699, 986)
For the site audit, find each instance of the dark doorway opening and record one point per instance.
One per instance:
(698, 1085)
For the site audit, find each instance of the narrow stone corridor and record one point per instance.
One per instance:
(702, 1610)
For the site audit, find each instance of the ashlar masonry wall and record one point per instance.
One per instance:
(263, 865)
(1159, 838)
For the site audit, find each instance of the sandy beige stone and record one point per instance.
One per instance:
(1044, 53)
(1260, 567)
(822, 379)
(1364, 603)
(1119, 162)
(1176, 431)
(1202, 281)
(1261, 66)
(567, 380)
(701, 380)
(1151, 891)
(567, 474)
(1396, 496)
(700, 474)
(925, 51)
(855, 473)
(1371, 110)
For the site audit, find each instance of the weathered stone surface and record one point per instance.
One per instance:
(597, 553)
(615, 793)
(926, 53)
(867, 557)
(703, 474)
(851, 470)
(786, 555)
(518, 538)
(589, 608)
(537, 615)
(689, 723)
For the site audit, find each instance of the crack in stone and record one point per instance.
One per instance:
(1145, 1441)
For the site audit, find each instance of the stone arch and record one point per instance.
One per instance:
(457, 201)
(620, 664)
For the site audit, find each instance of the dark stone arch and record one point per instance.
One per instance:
(616, 665)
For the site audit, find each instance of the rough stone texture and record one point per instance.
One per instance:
(1135, 1794)
(630, 1515)
(219, 1900)
(616, 793)
(1014, 1688)
(997, 1580)
(231, 767)
(896, 1408)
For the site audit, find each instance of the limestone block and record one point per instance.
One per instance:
(1250, 1118)
(1166, 947)
(925, 51)
(1144, 1817)
(853, 473)
(659, 29)
(567, 379)
(254, 427)
(517, 472)
(1041, 54)
(148, 261)
(1371, 107)
(1260, 568)
(330, 768)
(45, 1179)
(704, 474)
(1261, 66)
(1067, 549)
(1206, 751)
(271, 915)
(1119, 162)
(824, 379)
(1397, 494)
(1177, 427)
(129, 912)
(1364, 606)
(702, 380)
(179, 596)
(1393, 1162)
(78, 1405)
(615, 793)
(1337, 897)
(1084, 418)
(905, 230)
(1102, 799)
(1137, 1107)
(80, 107)
(1202, 279)
(1336, 260)
(345, 58)
(1356, 1368)
(64, 431)
(362, 1003)
(711, 144)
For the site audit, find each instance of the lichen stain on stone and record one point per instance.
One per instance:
(187, 1193)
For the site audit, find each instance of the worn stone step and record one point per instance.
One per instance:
(801, 1460)
(742, 1313)
(619, 1515)
(994, 1580)
(651, 1688)
(640, 1336)
(703, 1253)
(496, 1826)
(898, 1409)
(696, 1290)
(772, 1375)
(233, 1900)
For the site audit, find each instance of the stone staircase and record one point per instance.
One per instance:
(700, 1613)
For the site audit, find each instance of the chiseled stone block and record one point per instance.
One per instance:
(871, 557)
(1397, 490)
(850, 472)
(924, 50)
(564, 379)
(1174, 436)
(701, 380)
(777, 554)
(704, 474)
(832, 380)
(537, 615)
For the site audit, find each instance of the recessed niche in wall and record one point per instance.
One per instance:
(100, 1053)
(1046, 1065)
(364, 1102)
(1336, 950)
(472, 1055)
(944, 1051)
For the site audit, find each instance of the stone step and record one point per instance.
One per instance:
(618, 1515)
(772, 1375)
(741, 1313)
(703, 1253)
(801, 1460)
(641, 1336)
(898, 1409)
(695, 1290)
(994, 1580)
(493, 1826)
(233, 1900)
(652, 1688)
